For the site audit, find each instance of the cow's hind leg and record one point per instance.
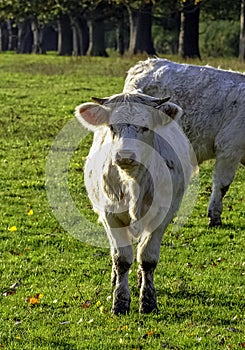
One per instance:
(148, 256)
(223, 176)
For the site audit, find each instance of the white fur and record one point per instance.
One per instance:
(129, 202)
(213, 101)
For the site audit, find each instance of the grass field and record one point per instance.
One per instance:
(54, 289)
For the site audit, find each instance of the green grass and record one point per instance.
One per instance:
(200, 277)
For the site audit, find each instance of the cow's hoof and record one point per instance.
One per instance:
(121, 308)
(214, 222)
(148, 308)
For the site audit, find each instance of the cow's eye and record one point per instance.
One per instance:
(144, 129)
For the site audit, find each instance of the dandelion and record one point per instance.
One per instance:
(34, 300)
(30, 212)
(12, 229)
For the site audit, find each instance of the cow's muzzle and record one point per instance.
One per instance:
(125, 158)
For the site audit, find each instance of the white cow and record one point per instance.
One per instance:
(136, 173)
(214, 121)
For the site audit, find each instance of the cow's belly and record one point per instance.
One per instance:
(204, 149)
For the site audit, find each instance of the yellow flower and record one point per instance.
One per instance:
(33, 301)
(30, 212)
(12, 229)
(98, 303)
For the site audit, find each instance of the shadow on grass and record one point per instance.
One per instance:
(184, 304)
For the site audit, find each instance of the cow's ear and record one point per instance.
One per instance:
(171, 110)
(91, 115)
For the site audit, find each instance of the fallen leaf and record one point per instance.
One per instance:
(12, 289)
(148, 334)
(232, 329)
(9, 292)
(242, 344)
(86, 305)
(15, 285)
(16, 322)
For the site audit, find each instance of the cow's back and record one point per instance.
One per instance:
(211, 98)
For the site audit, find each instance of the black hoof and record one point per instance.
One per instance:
(148, 308)
(121, 308)
(215, 223)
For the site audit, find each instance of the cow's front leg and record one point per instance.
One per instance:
(148, 256)
(122, 259)
(223, 175)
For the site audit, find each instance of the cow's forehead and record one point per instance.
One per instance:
(131, 113)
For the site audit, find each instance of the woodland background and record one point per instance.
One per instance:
(189, 28)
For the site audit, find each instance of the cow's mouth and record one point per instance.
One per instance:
(127, 164)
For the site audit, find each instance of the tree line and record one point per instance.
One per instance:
(82, 27)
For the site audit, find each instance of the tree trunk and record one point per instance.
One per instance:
(133, 25)
(83, 33)
(189, 32)
(140, 30)
(64, 36)
(75, 49)
(4, 36)
(120, 35)
(37, 32)
(96, 38)
(1, 37)
(242, 31)
(24, 35)
(10, 36)
(80, 36)
(50, 37)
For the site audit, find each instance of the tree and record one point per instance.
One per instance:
(96, 23)
(140, 24)
(25, 16)
(242, 31)
(140, 21)
(189, 29)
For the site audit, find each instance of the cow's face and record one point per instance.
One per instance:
(131, 128)
(130, 120)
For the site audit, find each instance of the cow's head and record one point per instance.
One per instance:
(130, 120)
